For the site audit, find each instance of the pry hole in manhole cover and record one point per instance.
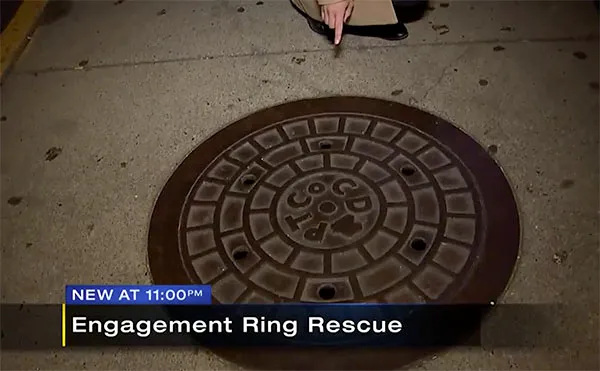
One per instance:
(407, 170)
(341, 199)
(239, 253)
(418, 244)
(248, 179)
(326, 292)
(325, 144)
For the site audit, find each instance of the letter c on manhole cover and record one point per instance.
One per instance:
(342, 199)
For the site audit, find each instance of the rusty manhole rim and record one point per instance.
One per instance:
(502, 246)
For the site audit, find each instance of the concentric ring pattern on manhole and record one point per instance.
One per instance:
(340, 199)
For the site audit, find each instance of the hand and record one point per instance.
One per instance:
(334, 15)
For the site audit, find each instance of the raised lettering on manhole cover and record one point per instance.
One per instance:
(338, 200)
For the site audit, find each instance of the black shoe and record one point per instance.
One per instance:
(392, 32)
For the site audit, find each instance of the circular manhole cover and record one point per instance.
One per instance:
(342, 199)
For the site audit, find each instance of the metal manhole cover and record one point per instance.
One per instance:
(342, 199)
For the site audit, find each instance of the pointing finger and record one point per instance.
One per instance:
(339, 24)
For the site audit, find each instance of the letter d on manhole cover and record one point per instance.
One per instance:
(342, 199)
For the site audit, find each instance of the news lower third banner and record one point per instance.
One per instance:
(150, 315)
(42, 327)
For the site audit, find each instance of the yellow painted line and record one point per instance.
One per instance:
(16, 35)
(64, 325)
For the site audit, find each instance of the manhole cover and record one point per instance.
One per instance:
(341, 199)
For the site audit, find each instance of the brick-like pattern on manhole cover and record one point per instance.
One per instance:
(341, 199)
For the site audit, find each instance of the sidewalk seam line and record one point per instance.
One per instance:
(307, 51)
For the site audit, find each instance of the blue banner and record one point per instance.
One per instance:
(137, 295)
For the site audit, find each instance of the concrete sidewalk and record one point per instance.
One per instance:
(110, 96)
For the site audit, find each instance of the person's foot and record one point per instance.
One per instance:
(392, 32)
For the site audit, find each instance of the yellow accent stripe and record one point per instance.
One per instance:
(15, 37)
(64, 325)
